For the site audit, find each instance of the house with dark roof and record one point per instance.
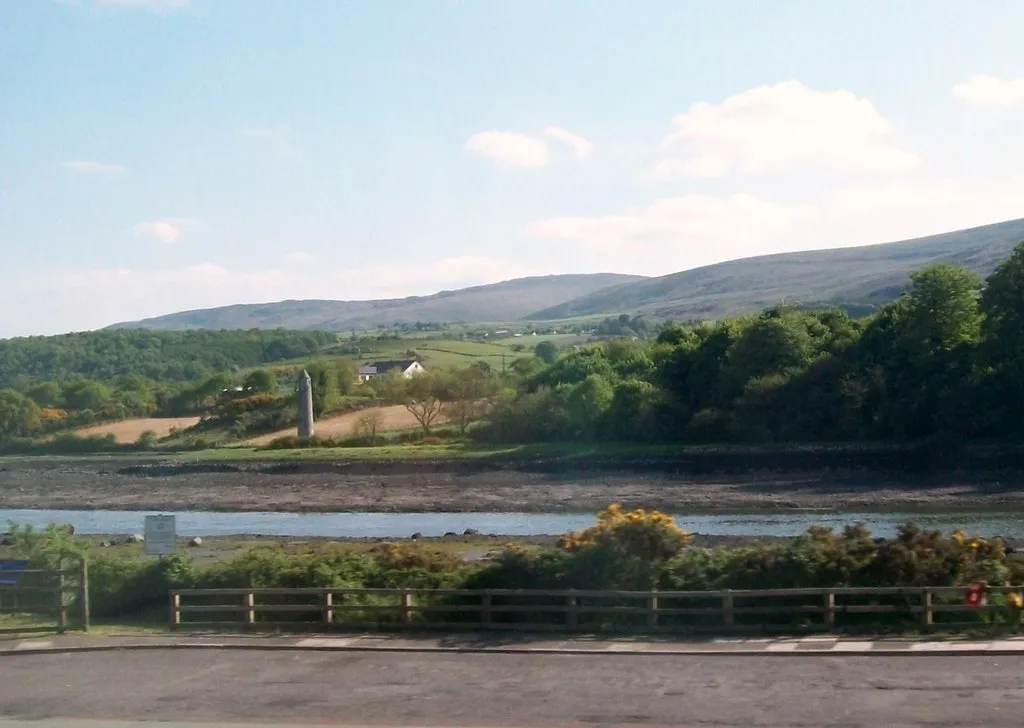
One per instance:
(376, 369)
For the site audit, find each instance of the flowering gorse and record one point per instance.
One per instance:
(651, 536)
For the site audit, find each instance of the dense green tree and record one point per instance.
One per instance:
(525, 368)
(1002, 303)
(588, 402)
(260, 381)
(469, 394)
(576, 367)
(47, 394)
(323, 377)
(942, 311)
(546, 351)
(87, 395)
(633, 413)
(999, 396)
(19, 415)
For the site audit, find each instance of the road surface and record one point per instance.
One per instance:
(419, 689)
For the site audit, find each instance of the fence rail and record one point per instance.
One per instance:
(764, 610)
(34, 600)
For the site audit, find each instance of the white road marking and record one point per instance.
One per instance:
(34, 645)
(853, 647)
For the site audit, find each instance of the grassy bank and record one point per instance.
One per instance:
(469, 450)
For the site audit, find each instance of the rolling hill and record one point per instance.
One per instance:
(857, 279)
(506, 301)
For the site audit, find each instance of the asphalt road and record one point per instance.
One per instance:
(388, 689)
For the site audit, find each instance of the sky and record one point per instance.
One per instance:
(166, 155)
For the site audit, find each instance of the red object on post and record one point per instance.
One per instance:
(976, 594)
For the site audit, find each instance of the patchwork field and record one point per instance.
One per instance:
(439, 353)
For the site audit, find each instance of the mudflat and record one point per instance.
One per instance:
(479, 487)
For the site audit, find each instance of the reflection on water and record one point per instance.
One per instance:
(401, 525)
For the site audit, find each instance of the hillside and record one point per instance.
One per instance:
(166, 356)
(855, 278)
(506, 301)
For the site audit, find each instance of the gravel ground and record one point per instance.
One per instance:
(382, 488)
(516, 690)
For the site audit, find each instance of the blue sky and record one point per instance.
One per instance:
(161, 155)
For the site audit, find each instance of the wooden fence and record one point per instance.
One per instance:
(35, 600)
(766, 610)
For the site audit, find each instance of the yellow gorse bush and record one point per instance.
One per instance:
(650, 535)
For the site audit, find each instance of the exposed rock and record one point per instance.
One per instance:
(195, 541)
(134, 538)
(416, 536)
(470, 532)
(451, 534)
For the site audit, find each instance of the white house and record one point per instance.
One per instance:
(373, 370)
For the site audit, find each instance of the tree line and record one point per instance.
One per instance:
(161, 356)
(945, 360)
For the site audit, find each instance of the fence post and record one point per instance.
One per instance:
(406, 606)
(830, 610)
(652, 610)
(572, 617)
(728, 617)
(62, 611)
(250, 615)
(175, 611)
(328, 598)
(83, 595)
(926, 608)
(485, 610)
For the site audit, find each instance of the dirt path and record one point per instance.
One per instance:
(437, 487)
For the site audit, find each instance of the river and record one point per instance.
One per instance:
(402, 525)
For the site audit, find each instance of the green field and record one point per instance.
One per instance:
(441, 353)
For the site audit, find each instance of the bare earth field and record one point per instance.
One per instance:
(128, 431)
(393, 417)
(451, 486)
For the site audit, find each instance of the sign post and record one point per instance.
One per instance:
(160, 535)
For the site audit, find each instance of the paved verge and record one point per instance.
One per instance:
(520, 644)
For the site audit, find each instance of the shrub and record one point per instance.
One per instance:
(367, 424)
(147, 440)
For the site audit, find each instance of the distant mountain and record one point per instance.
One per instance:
(857, 279)
(506, 301)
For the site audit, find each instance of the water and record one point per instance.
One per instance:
(402, 525)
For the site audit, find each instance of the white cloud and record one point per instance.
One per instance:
(985, 90)
(696, 228)
(581, 147)
(679, 233)
(166, 231)
(91, 167)
(87, 299)
(509, 148)
(771, 128)
(298, 256)
(277, 138)
(881, 213)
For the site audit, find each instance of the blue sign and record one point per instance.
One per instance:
(10, 565)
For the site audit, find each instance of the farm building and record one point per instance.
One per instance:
(373, 370)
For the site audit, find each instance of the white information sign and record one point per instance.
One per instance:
(160, 534)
